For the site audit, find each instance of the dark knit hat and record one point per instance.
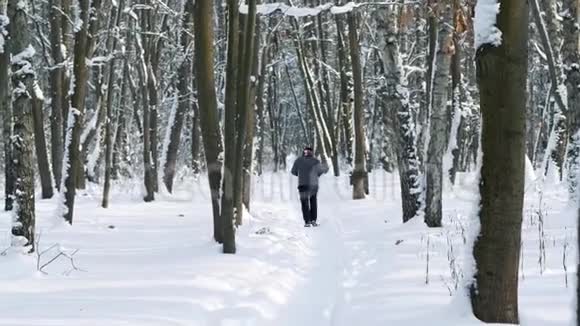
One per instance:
(308, 148)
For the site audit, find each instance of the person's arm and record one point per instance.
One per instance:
(294, 170)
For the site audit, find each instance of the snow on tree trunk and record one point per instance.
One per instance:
(359, 173)
(79, 85)
(23, 83)
(397, 109)
(502, 71)
(40, 142)
(439, 122)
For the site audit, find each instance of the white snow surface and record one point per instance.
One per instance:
(486, 31)
(155, 264)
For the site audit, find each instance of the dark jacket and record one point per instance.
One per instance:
(308, 169)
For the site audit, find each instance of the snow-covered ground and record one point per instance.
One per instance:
(145, 264)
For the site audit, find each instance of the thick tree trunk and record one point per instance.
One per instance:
(6, 108)
(439, 118)
(359, 173)
(77, 110)
(502, 73)
(209, 118)
(23, 84)
(398, 111)
(58, 90)
(184, 101)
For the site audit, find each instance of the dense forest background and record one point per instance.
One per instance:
(105, 90)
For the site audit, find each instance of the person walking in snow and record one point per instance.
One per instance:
(308, 169)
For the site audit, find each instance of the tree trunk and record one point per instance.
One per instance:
(502, 73)
(454, 145)
(23, 84)
(345, 91)
(6, 108)
(115, 22)
(559, 130)
(195, 140)
(248, 156)
(443, 10)
(77, 110)
(231, 102)
(184, 101)
(37, 102)
(244, 105)
(58, 90)
(359, 173)
(146, 103)
(120, 149)
(209, 118)
(571, 60)
(397, 110)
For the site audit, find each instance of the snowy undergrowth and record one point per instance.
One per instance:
(155, 263)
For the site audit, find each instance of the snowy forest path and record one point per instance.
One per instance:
(318, 300)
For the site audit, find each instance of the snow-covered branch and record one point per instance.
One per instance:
(486, 31)
(293, 11)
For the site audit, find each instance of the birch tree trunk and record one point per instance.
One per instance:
(502, 75)
(23, 84)
(439, 125)
(359, 173)
(209, 118)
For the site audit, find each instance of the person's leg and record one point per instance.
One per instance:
(305, 205)
(313, 207)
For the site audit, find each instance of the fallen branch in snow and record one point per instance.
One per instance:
(39, 254)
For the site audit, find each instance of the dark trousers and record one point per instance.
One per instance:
(308, 202)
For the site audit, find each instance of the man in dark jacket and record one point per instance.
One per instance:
(308, 169)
